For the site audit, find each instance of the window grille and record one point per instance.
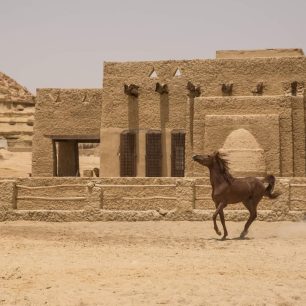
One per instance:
(128, 154)
(153, 154)
(178, 154)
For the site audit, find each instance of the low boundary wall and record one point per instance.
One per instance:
(132, 199)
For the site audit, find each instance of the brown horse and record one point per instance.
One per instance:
(227, 189)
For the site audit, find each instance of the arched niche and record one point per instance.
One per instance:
(245, 155)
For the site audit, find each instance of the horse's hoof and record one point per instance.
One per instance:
(224, 236)
(218, 232)
(243, 234)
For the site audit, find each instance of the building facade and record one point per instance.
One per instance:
(151, 117)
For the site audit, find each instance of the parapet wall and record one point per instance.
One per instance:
(222, 54)
(132, 199)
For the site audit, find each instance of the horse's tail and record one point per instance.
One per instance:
(270, 179)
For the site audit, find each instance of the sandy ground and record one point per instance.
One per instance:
(15, 164)
(151, 263)
(147, 263)
(18, 164)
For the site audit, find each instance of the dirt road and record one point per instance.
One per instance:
(151, 263)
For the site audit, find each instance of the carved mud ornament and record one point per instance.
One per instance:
(297, 88)
(227, 88)
(58, 97)
(258, 89)
(84, 100)
(294, 88)
(131, 90)
(162, 88)
(193, 91)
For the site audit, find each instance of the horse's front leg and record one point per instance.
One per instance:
(219, 208)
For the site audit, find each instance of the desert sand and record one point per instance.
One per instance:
(147, 263)
(151, 263)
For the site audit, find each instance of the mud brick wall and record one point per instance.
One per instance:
(276, 122)
(63, 112)
(74, 199)
(7, 194)
(177, 109)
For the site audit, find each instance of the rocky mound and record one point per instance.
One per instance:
(10, 90)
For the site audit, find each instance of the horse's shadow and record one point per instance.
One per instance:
(239, 238)
(229, 239)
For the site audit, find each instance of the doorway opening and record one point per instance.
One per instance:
(76, 157)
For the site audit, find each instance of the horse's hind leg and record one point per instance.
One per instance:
(221, 214)
(251, 205)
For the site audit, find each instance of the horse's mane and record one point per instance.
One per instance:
(223, 165)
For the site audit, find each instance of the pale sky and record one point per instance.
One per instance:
(63, 43)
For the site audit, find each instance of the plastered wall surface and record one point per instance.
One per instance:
(209, 74)
(65, 113)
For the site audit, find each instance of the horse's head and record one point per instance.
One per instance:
(204, 160)
(215, 162)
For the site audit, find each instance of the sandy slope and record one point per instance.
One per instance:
(151, 263)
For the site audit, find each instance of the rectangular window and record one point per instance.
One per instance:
(178, 153)
(153, 154)
(128, 153)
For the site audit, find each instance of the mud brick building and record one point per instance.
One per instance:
(151, 117)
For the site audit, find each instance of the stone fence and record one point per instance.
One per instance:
(133, 199)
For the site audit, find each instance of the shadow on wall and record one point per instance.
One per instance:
(164, 119)
(133, 113)
(164, 110)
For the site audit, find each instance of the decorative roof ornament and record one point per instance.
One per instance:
(194, 91)
(258, 89)
(227, 88)
(131, 90)
(162, 88)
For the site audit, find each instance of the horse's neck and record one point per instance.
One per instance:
(216, 178)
